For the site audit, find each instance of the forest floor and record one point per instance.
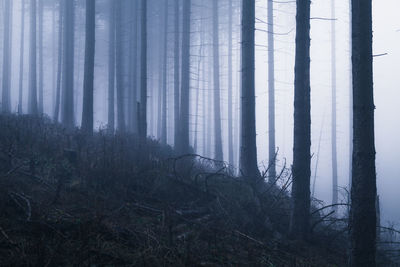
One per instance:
(67, 199)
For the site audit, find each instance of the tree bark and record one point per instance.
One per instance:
(40, 6)
(6, 93)
(248, 149)
(119, 68)
(176, 74)
(271, 94)
(333, 108)
(21, 57)
(111, 68)
(363, 190)
(185, 86)
(90, 41)
(59, 62)
(68, 67)
(299, 223)
(217, 101)
(32, 96)
(143, 74)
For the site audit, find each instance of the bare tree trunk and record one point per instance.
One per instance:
(271, 94)
(217, 102)
(143, 74)
(119, 67)
(185, 86)
(165, 87)
(68, 67)
(6, 93)
(176, 73)
(90, 41)
(230, 85)
(40, 6)
(333, 111)
(248, 150)
(21, 57)
(363, 190)
(133, 68)
(111, 68)
(32, 96)
(299, 223)
(59, 62)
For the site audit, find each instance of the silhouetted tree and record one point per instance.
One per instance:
(111, 68)
(248, 149)
(271, 94)
(363, 189)
(176, 73)
(40, 6)
(21, 57)
(32, 96)
(299, 223)
(164, 77)
(185, 82)
(119, 67)
(230, 84)
(143, 74)
(67, 115)
(6, 93)
(59, 62)
(87, 113)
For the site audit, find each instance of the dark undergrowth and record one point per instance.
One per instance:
(67, 199)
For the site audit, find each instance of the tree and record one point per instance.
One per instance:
(271, 94)
(59, 62)
(40, 6)
(185, 82)
(363, 188)
(132, 106)
(90, 41)
(333, 106)
(6, 94)
(248, 149)
(67, 115)
(217, 101)
(230, 85)
(21, 57)
(176, 73)
(299, 221)
(111, 68)
(119, 67)
(143, 75)
(32, 96)
(164, 78)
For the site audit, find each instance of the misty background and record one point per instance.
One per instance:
(386, 82)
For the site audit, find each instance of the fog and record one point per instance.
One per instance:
(386, 81)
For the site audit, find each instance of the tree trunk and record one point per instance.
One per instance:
(185, 86)
(119, 67)
(363, 189)
(271, 94)
(40, 6)
(333, 111)
(32, 96)
(90, 41)
(143, 74)
(111, 68)
(133, 68)
(230, 85)
(6, 93)
(176, 74)
(59, 61)
(248, 150)
(21, 57)
(217, 102)
(68, 66)
(299, 223)
(165, 87)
